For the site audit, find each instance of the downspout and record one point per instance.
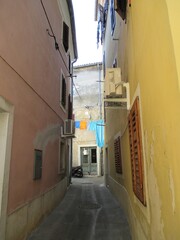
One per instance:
(100, 89)
(100, 116)
(71, 140)
(72, 18)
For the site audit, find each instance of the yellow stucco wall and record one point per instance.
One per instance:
(152, 60)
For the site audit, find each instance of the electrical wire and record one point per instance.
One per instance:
(31, 87)
(77, 90)
(53, 35)
(56, 44)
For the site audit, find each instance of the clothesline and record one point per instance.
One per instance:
(96, 126)
(88, 125)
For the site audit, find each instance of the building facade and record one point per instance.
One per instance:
(37, 48)
(142, 98)
(87, 109)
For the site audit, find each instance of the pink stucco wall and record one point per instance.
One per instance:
(30, 70)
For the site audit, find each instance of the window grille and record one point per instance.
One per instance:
(117, 153)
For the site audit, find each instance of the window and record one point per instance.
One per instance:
(63, 92)
(70, 65)
(62, 155)
(114, 63)
(70, 109)
(93, 156)
(121, 8)
(117, 154)
(136, 151)
(37, 164)
(65, 36)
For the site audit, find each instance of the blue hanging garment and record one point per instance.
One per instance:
(77, 124)
(100, 133)
(92, 126)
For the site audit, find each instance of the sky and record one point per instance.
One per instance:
(86, 32)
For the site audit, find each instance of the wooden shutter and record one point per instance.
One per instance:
(136, 151)
(117, 153)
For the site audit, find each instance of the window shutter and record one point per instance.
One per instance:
(117, 153)
(136, 151)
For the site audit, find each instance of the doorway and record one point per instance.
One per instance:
(6, 129)
(89, 160)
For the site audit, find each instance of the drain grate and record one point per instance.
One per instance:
(87, 183)
(89, 205)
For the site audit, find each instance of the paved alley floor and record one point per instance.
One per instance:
(87, 212)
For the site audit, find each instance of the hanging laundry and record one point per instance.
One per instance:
(100, 133)
(77, 124)
(83, 125)
(92, 126)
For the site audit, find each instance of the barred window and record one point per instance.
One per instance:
(136, 151)
(117, 153)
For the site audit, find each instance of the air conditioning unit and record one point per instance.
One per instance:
(113, 83)
(69, 127)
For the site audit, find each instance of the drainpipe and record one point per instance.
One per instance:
(100, 116)
(73, 28)
(100, 95)
(71, 140)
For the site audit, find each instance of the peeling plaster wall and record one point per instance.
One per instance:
(148, 54)
(155, 202)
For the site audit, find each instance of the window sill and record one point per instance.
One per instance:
(62, 107)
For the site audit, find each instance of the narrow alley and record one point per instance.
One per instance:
(92, 86)
(87, 212)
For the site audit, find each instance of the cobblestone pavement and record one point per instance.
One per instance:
(87, 212)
